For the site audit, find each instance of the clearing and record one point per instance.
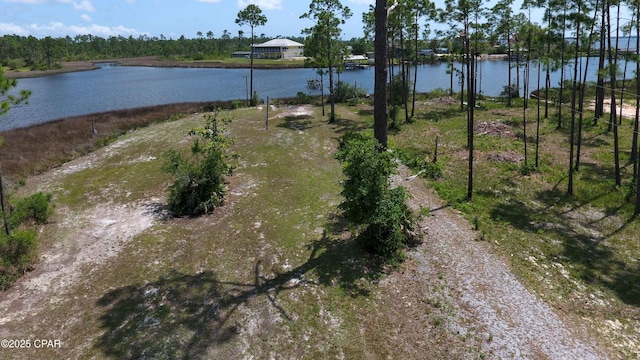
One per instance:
(271, 274)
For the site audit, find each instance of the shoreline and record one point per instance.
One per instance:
(153, 61)
(148, 61)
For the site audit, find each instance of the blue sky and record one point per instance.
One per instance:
(171, 18)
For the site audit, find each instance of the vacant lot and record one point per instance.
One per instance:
(274, 273)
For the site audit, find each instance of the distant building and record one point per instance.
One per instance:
(278, 49)
(241, 54)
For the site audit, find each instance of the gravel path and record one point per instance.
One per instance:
(516, 323)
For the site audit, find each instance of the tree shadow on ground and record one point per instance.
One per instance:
(594, 261)
(184, 316)
(343, 126)
(297, 122)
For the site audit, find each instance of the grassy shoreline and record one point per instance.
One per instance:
(154, 61)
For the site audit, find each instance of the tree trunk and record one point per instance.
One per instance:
(251, 72)
(404, 67)
(509, 75)
(415, 73)
(380, 112)
(582, 91)
(599, 108)
(538, 118)
(560, 97)
(470, 109)
(573, 108)
(636, 126)
(2, 204)
(613, 117)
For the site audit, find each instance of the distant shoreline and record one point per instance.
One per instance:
(150, 61)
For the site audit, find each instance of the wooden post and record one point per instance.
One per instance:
(266, 118)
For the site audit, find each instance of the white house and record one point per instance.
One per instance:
(278, 49)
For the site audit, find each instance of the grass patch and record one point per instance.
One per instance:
(576, 251)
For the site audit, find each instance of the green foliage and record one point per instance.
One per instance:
(369, 202)
(199, 186)
(432, 170)
(437, 93)
(6, 99)
(345, 92)
(302, 98)
(398, 90)
(255, 99)
(36, 208)
(16, 63)
(17, 253)
(18, 250)
(515, 92)
(419, 163)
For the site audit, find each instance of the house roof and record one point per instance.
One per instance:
(279, 43)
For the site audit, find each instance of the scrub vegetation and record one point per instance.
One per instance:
(277, 270)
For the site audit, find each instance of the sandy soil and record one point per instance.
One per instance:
(488, 299)
(92, 236)
(628, 111)
(484, 291)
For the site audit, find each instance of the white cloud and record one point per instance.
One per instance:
(58, 29)
(85, 18)
(84, 5)
(12, 29)
(262, 4)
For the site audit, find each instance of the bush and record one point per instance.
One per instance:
(370, 204)
(515, 92)
(302, 98)
(17, 253)
(16, 64)
(199, 186)
(255, 99)
(432, 170)
(345, 92)
(35, 208)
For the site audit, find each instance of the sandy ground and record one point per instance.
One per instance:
(485, 292)
(628, 111)
(486, 295)
(93, 235)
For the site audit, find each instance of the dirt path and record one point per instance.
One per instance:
(90, 237)
(516, 323)
(628, 111)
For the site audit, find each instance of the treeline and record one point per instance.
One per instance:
(28, 51)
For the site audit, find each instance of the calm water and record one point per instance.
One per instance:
(119, 87)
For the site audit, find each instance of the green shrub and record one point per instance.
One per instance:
(255, 99)
(16, 63)
(513, 89)
(345, 92)
(35, 208)
(432, 170)
(370, 204)
(302, 98)
(17, 253)
(437, 93)
(199, 186)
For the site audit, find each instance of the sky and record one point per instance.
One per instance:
(153, 18)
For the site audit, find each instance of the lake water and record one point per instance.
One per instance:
(115, 87)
